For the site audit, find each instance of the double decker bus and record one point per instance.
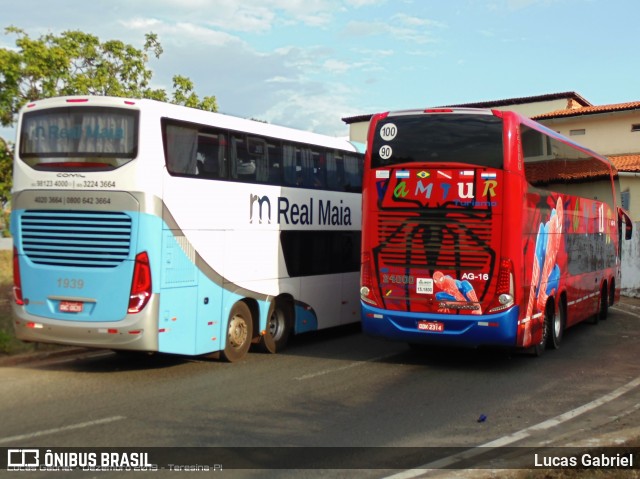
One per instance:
(145, 226)
(484, 228)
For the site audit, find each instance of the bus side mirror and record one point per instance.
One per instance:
(623, 217)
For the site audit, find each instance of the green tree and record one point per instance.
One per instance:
(6, 158)
(78, 63)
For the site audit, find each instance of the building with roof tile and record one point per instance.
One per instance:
(611, 130)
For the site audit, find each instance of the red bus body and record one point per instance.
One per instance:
(484, 228)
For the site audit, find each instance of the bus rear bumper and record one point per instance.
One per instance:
(498, 330)
(137, 332)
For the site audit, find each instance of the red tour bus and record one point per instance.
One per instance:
(485, 228)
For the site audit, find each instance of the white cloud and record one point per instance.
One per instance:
(336, 66)
(280, 79)
(254, 16)
(416, 22)
(313, 107)
(364, 3)
(182, 32)
(514, 5)
(400, 26)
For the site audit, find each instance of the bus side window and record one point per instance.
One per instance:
(305, 168)
(181, 149)
(319, 170)
(290, 165)
(242, 167)
(353, 173)
(275, 161)
(211, 156)
(335, 172)
(259, 155)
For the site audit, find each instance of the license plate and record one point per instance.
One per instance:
(433, 326)
(71, 306)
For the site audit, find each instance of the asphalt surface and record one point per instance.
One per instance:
(619, 428)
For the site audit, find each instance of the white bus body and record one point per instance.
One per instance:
(140, 225)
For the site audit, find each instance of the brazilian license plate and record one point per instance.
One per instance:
(71, 306)
(431, 326)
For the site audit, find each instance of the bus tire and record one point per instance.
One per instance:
(556, 325)
(538, 349)
(612, 292)
(278, 327)
(239, 333)
(603, 311)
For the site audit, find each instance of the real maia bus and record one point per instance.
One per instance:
(145, 226)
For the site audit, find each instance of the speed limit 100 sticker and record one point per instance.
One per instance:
(388, 131)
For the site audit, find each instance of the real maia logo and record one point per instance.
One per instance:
(289, 212)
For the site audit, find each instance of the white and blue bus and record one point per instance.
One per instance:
(145, 226)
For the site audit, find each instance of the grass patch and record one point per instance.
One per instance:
(8, 342)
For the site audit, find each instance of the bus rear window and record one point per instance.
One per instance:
(79, 138)
(439, 138)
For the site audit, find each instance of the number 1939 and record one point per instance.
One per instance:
(70, 283)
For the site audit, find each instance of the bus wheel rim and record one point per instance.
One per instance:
(276, 325)
(238, 331)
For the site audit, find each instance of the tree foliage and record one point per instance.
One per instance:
(6, 181)
(78, 63)
(5, 171)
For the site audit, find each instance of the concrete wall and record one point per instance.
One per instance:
(606, 133)
(536, 108)
(358, 131)
(631, 264)
(630, 182)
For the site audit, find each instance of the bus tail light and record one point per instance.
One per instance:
(17, 282)
(366, 281)
(439, 110)
(504, 297)
(141, 285)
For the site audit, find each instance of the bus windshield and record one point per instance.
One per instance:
(73, 138)
(474, 139)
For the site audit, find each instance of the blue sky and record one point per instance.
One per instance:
(308, 63)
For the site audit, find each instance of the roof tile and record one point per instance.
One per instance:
(589, 110)
(629, 163)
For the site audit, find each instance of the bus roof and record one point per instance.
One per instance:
(184, 113)
(487, 111)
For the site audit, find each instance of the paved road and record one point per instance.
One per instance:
(330, 389)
